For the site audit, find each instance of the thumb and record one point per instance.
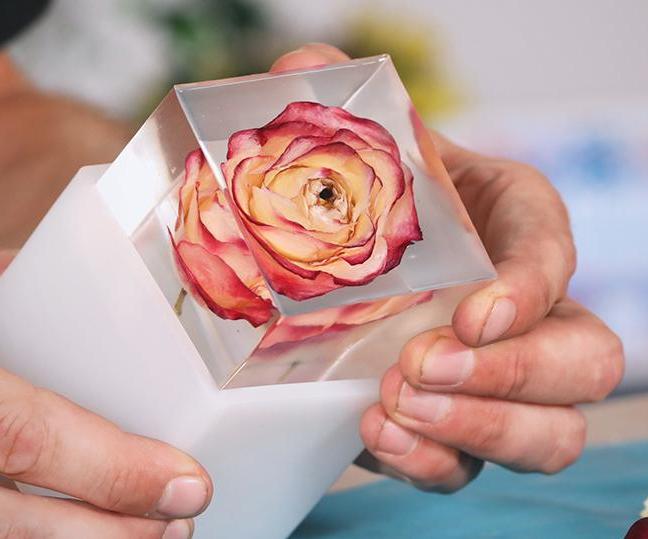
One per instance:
(6, 256)
(310, 55)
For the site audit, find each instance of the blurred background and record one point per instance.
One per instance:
(563, 85)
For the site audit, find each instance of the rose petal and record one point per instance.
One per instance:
(247, 174)
(303, 144)
(335, 118)
(289, 182)
(243, 143)
(344, 273)
(402, 227)
(187, 193)
(277, 137)
(391, 175)
(268, 208)
(288, 279)
(286, 222)
(238, 257)
(358, 255)
(298, 248)
(268, 140)
(210, 279)
(357, 178)
(219, 220)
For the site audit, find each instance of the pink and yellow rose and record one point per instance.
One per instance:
(323, 200)
(211, 255)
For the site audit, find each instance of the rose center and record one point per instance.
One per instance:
(326, 193)
(325, 200)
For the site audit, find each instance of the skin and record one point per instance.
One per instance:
(526, 361)
(45, 139)
(501, 383)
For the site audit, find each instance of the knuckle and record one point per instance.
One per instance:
(558, 262)
(570, 256)
(144, 529)
(568, 445)
(521, 169)
(23, 435)
(608, 372)
(488, 438)
(8, 530)
(515, 381)
(409, 357)
(436, 474)
(151, 532)
(540, 288)
(390, 388)
(518, 171)
(452, 476)
(114, 490)
(547, 294)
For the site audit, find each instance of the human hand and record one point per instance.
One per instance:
(129, 486)
(501, 383)
(124, 485)
(45, 140)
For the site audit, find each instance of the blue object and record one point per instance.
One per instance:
(597, 498)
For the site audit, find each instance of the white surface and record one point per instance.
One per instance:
(506, 51)
(82, 316)
(501, 51)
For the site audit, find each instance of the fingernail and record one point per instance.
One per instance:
(448, 362)
(422, 405)
(183, 496)
(179, 529)
(499, 320)
(395, 440)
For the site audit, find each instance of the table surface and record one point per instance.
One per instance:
(598, 498)
(616, 420)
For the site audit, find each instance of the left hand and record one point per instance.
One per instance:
(501, 383)
(45, 140)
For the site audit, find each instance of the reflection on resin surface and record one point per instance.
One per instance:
(335, 348)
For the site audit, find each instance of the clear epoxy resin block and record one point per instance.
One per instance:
(301, 224)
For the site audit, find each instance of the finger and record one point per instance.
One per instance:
(35, 517)
(407, 456)
(310, 55)
(525, 228)
(570, 357)
(6, 256)
(48, 441)
(525, 437)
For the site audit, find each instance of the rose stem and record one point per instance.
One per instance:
(177, 307)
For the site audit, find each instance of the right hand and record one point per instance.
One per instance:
(129, 486)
